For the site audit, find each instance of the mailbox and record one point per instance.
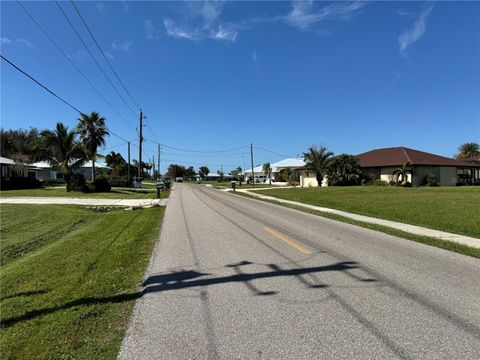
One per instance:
(234, 184)
(160, 186)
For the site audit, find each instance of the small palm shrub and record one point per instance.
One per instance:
(430, 180)
(101, 184)
(77, 183)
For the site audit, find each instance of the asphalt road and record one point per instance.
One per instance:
(236, 278)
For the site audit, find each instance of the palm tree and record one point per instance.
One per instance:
(318, 158)
(468, 150)
(267, 170)
(92, 131)
(401, 174)
(63, 150)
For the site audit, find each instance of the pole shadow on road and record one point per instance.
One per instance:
(184, 279)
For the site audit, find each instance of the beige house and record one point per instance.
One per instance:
(380, 164)
(309, 179)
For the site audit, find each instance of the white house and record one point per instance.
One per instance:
(289, 163)
(44, 171)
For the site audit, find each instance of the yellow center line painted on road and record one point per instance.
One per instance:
(296, 245)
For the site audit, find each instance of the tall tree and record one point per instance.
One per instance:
(92, 131)
(468, 150)
(318, 158)
(117, 163)
(267, 170)
(63, 150)
(190, 172)
(203, 171)
(175, 170)
(344, 170)
(21, 143)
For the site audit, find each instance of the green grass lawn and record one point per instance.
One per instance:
(115, 193)
(69, 278)
(451, 209)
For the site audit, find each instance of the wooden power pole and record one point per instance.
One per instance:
(158, 159)
(140, 146)
(251, 159)
(128, 167)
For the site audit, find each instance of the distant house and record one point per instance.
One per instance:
(214, 177)
(6, 168)
(381, 163)
(291, 163)
(44, 171)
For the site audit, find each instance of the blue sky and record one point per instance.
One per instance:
(353, 76)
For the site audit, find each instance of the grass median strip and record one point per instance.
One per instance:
(443, 244)
(69, 278)
(451, 209)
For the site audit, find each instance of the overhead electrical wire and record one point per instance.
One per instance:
(273, 152)
(196, 151)
(40, 84)
(71, 61)
(104, 56)
(93, 58)
(53, 93)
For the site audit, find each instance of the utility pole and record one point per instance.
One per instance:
(158, 159)
(128, 167)
(251, 159)
(140, 146)
(153, 168)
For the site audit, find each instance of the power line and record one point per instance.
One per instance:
(273, 152)
(195, 163)
(108, 62)
(53, 93)
(197, 151)
(40, 84)
(93, 58)
(71, 61)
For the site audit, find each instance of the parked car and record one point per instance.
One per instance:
(179, 179)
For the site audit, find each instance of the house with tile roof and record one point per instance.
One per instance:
(381, 163)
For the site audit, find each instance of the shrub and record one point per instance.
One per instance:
(77, 183)
(376, 182)
(406, 184)
(118, 181)
(51, 182)
(430, 180)
(101, 184)
(15, 183)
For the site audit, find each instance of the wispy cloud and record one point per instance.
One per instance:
(101, 8)
(122, 46)
(79, 55)
(254, 59)
(416, 32)
(202, 22)
(125, 6)
(109, 55)
(5, 40)
(304, 14)
(150, 30)
(82, 55)
(24, 43)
